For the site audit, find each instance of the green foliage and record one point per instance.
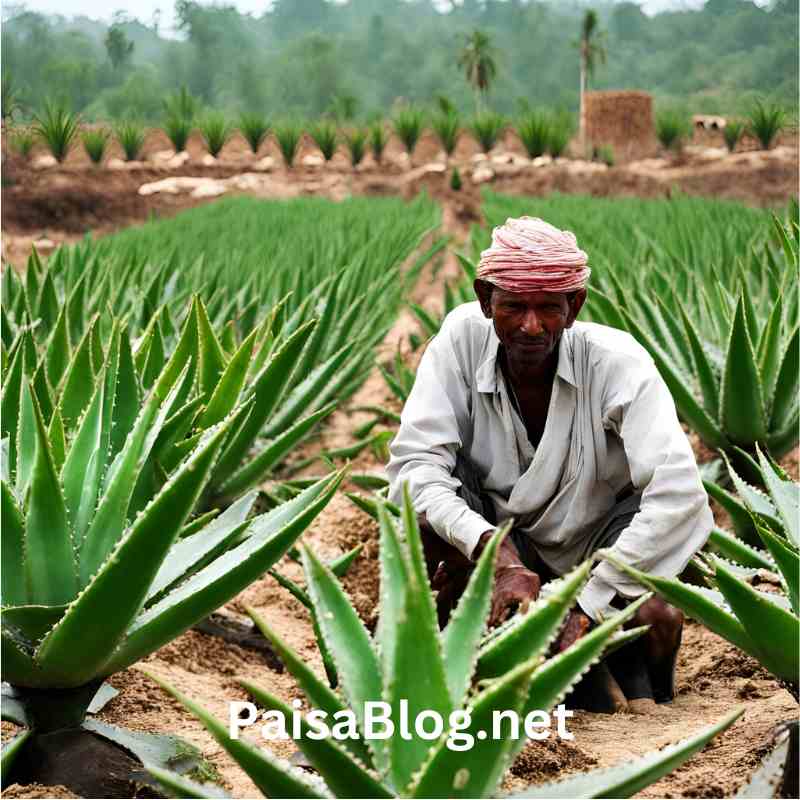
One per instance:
(181, 105)
(535, 132)
(732, 133)
(765, 121)
(447, 127)
(215, 129)
(255, 129)
(592, 42)
(673, 128)
(710, 293)
(325, 136)
(377, 139)
(9, 102)
(605, 154)
(561, 130)
(344, 107)
(22, 140)
(455, 180)
(356, 141)
(95, 143)
(408, 125)
(410, 661)
(118, 46)
(178, 130)
(763, 624)
(487, 128)
(477, 60)
(57, 127)
(288, 135)
(130, 134)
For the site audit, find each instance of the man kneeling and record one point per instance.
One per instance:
(518, 411)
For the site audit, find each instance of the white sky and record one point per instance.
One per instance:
(144, 9)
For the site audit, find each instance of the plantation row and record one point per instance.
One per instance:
(539, 132)
(154, 379)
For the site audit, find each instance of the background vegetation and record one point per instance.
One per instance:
(355, 59)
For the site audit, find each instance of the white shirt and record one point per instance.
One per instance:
(611, 423)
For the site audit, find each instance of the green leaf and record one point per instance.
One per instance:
(447, 773)
(706, 377)
(13, 747)
(630, 777)
(58, 349)
(786, 496)
(735, 549)
(79, 382)
(175, 785)
(788, 563)
(774, 632)
(49, 557)
(461, 637)
(769, 348)
(26, 439)
(58, 440)
(349, 644)
(212, 356)
(82, 642)
(266, 540)
(126, 397)
(318, 693)
(273, 777)
(14, 588)
(742, 410)
(10, 405)
(339, 566)
(532, 632)
(345, 776)
(737, 510)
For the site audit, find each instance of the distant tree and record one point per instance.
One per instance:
(592, 50)
(477, 61)
(628, 21)
(118, 46)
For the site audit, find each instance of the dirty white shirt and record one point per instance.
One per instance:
(611, 423)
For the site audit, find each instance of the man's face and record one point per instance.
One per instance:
(529, 324)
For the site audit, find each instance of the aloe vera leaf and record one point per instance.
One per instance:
(80, 644)
(742, 410)
(397, 390)
(774, 632)
(269, 536)
(769, 775)
(13, 747)
(296, 591)
(10, 405)
(273, 777)
(152, 357)
(414, 673)
(608, 312)
(84, 465)
(13, 588)
(691, 411)
(211, 355)
(340, 565)
(429, 324)
(393, 578)
(735, 549)
(621, 638)
(266, 388)
(126, 398)
(754, 499)
(48, 304)
(174, 785)
(185, 555)
(535, 630)
(272, 454)
(96, 346)
(198, 523)
(694, 603)
(43, 391)
(343, 774)
(769, 348)
(49, 558)
(57, 439)
(227, 392)
(447, 773)
(19, 668)
(78, 385)
(788, 563)
(108, 522)
(740, 517)
(318, 693)
(58, 349)
(349, 643)
(461, 637)
(706, 377)
(629, 777)
(786, 496)
(175, 370)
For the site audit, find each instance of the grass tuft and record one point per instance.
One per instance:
(356, 141)
(732, 133)
(95, 143)
(255, 129)
(487, 128)
(288, 135)
(215, 130)
(130, 135)
(409, 122)
(22, 141)
(765, 122)
(673, 128)
(447, 127)
(325, 137)
(178, 130)
(57, 127)
(377, 139)
(535, 131)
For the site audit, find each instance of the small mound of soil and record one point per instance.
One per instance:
(550, 759)
(36, 790)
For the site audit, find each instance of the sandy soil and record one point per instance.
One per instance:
(713, 677)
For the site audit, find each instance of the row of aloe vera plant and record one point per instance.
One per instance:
(136, 417)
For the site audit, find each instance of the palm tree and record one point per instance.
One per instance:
(593, 50)
(477, 61)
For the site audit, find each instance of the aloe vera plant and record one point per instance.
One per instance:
(410, 661)
(99, 567)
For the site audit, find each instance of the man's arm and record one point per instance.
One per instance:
(674, 519)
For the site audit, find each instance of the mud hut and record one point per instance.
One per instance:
(621, 119)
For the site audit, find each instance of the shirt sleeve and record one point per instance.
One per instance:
(674, 519)
(423, 454)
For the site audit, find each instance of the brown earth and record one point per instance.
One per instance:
(712, 676)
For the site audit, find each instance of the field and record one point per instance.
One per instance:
(234, 286)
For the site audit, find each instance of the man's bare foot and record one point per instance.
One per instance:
(642, 706)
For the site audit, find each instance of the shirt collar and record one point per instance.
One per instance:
(486, 374)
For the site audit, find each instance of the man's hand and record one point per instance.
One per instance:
(515, 586)
(576, 626)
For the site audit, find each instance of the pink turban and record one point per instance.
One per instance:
(528, 255)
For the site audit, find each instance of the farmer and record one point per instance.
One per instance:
(520, 412)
